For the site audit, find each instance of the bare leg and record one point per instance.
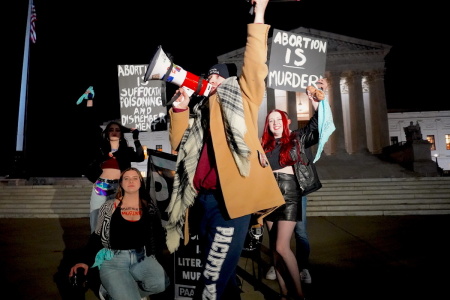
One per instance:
(284, 259)
(283, 248)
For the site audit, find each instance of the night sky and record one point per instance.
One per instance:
(80, 43)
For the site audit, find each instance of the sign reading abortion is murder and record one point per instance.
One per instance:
(141, 103)
(296, 61)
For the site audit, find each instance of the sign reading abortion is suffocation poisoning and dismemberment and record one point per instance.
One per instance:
(142, 103)
(296, 61)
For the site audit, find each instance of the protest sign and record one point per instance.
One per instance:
(187, 259)
(188, 268)
(142, 103)
(160, 175)
(296, 61)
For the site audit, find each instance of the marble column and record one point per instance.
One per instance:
(336, 142)
(269, 103)
(270, 95)
(291, 108)
(378, 115)
(357, 126)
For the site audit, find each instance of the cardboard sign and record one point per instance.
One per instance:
(296, 61)
(160, 175)
(142, 104)
(188, 269)
(187, 264)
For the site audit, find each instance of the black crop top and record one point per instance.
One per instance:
(274, 156)
(124, 234)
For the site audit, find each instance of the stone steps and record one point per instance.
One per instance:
(42, 197)
(344, 197)
(381, 196)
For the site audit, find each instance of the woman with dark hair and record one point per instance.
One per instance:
(286, 154)
(128, 243)
(113, 156)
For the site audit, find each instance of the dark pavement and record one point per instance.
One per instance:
(357, 257)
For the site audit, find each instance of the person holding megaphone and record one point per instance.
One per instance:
(219, 181)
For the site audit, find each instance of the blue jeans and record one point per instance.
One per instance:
(102, 191)
(130, 275)
(301, 238)
(222, 240)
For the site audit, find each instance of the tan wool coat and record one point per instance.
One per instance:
(259, 191)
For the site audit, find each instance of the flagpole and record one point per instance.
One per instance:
(18, 167)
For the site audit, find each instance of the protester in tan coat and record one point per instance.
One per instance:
(219, 179)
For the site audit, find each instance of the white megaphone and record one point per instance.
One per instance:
(162, 68)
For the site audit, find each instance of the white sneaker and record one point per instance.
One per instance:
(305, 276)
(271, 274)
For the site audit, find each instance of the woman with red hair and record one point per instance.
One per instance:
(285, 152)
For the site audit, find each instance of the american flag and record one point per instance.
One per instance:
(32, 24)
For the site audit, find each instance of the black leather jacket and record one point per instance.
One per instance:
(306, 172)
(124, 156)
(100, 151)
(314, 183)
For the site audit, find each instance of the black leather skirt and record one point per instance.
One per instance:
(292, 193)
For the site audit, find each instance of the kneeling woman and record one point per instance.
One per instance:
(127, 243)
